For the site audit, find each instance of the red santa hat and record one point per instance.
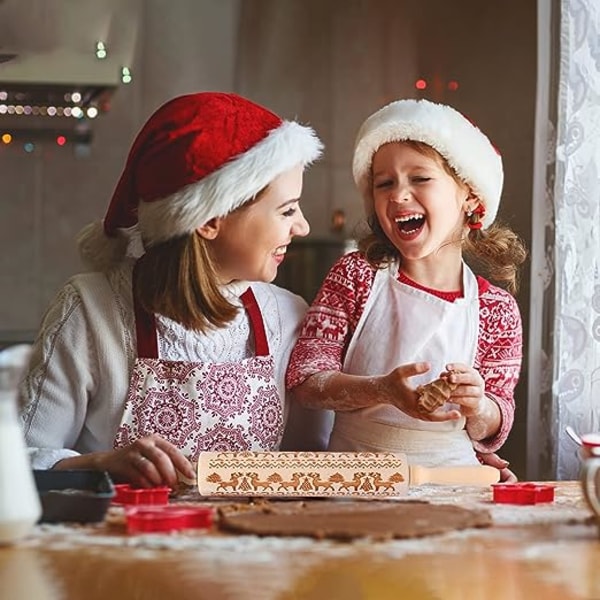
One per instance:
(468, 151)
(198, 157)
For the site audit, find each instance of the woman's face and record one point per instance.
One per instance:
(419, 205)
(250, 243)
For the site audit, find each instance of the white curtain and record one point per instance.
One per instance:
(565, 331)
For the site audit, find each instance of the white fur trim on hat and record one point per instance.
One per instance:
(224, 190)
(468, 151)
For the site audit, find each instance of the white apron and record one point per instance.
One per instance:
(402, 324)
(203, 406)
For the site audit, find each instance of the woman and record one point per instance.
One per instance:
(143, 363)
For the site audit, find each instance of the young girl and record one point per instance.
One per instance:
(141, 364)
(406, 309)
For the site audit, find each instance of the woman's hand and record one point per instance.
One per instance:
(148, 462)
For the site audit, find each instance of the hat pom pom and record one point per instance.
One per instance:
(98, 251)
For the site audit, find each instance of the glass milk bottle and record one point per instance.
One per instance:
(19, 502)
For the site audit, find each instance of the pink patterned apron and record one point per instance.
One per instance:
(203, 406)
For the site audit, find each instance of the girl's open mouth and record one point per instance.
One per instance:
(410, 224)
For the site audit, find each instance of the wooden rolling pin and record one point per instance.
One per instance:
(322, 474)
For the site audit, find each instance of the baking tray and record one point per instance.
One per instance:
(80, 496)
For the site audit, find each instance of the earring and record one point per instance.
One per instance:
(475, 216)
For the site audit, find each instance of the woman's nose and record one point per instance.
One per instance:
(301, 227)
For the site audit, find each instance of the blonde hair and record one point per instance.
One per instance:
(497, 252)
(178, 279)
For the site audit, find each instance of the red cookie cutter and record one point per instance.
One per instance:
(522, 493)
(125, 494)
(164, 519)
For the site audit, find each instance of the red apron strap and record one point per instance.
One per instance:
(261, 345)
(145, 328)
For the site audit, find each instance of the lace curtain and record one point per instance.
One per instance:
(565, 324)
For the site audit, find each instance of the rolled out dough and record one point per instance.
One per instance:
(347, 519)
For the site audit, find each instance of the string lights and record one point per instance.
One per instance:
(49, 115)
(28, 139)
(56, 114)
(422, 84)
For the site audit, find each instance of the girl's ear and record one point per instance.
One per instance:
(210, 229)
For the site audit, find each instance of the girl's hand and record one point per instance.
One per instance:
(482, 413)
(396, 389)
(470, 393)
(492, 459)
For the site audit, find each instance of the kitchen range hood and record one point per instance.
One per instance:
(61, 61)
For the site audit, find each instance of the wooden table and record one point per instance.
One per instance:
(545, 552)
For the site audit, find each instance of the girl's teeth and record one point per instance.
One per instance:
(409, 218)
(410, 224)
